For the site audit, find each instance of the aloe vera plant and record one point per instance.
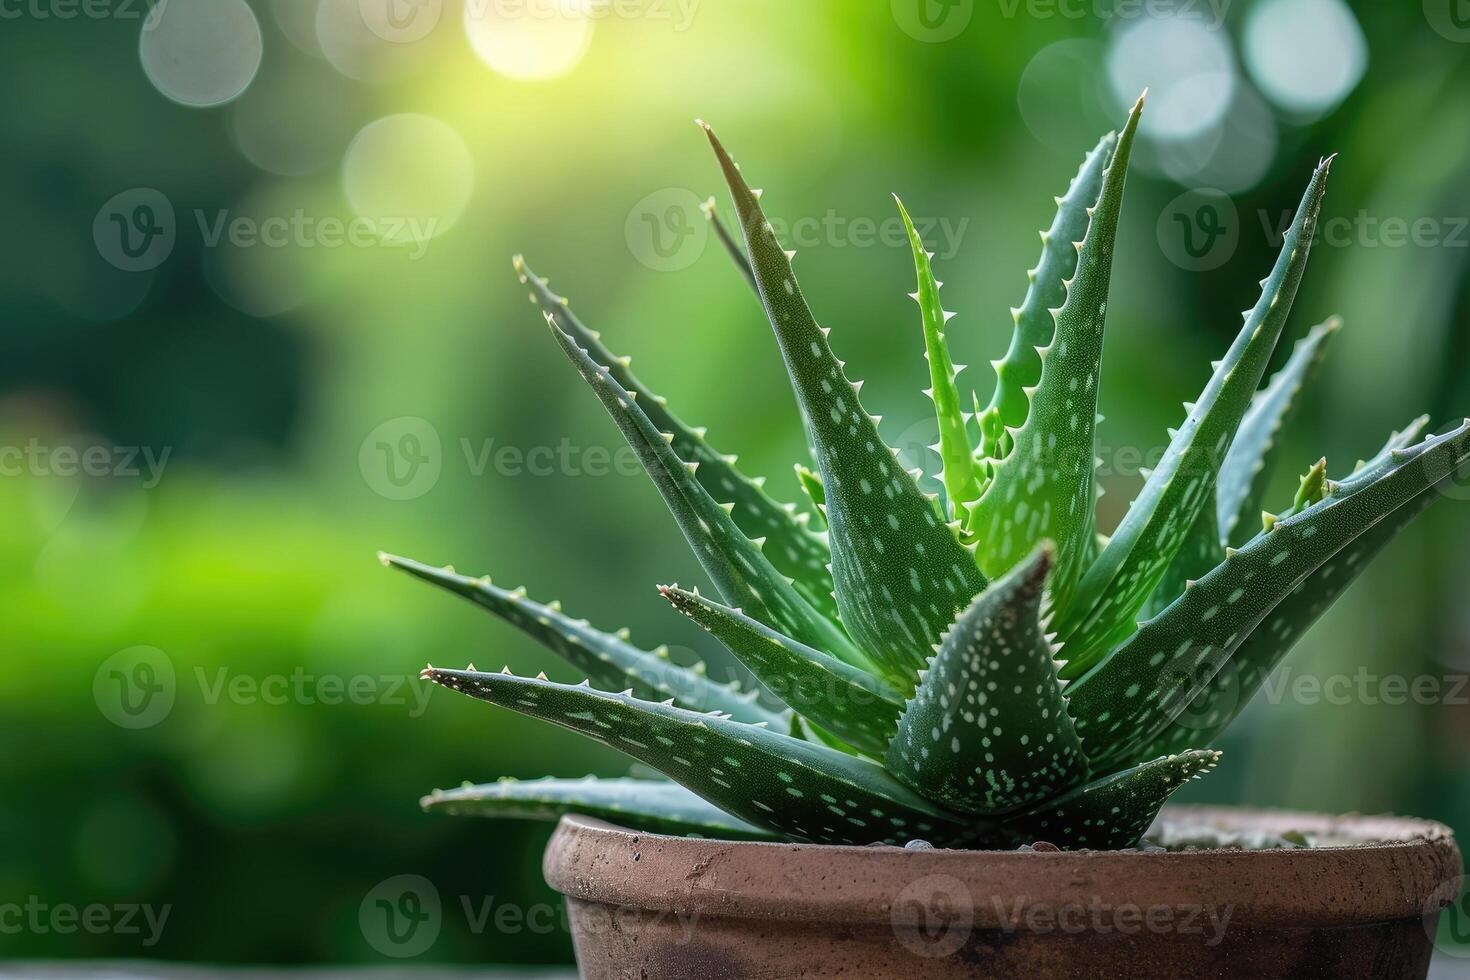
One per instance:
(977, 667)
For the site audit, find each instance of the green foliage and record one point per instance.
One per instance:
(643, 804)
(973, 670)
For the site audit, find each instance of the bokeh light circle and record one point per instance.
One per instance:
(203, 52)
(410, 174)
(1240, 150)
(267, 255)
(292, 121)
(348, 40)
(297, 20)
(1187, 67)
(529, 40)
(1056, 97)
(1306, 55)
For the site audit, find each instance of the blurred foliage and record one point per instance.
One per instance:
(273, 376)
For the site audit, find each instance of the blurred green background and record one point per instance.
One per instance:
(260, 322)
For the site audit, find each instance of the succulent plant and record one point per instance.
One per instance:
(978, 667)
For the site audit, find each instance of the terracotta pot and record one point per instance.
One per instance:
(1364, 904)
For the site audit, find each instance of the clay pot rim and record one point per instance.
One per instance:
(1398, 867)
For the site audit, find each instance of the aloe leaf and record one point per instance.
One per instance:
(1201, 550)
(653, 806)
(1035, 325)
(1103, 610)
(1241, 485)
(854, 705)
(959, 476)
(1112, 812)
(735, 563)
(1237, 681)
(1044, 490)
(789, 545)
(900, 574)
(731, 246)
(812, 732)
(606, 658)
(1400, 439)
(779, 783)
(987, 730)
(811, 485)
(1133, 694)
(1245, 472)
